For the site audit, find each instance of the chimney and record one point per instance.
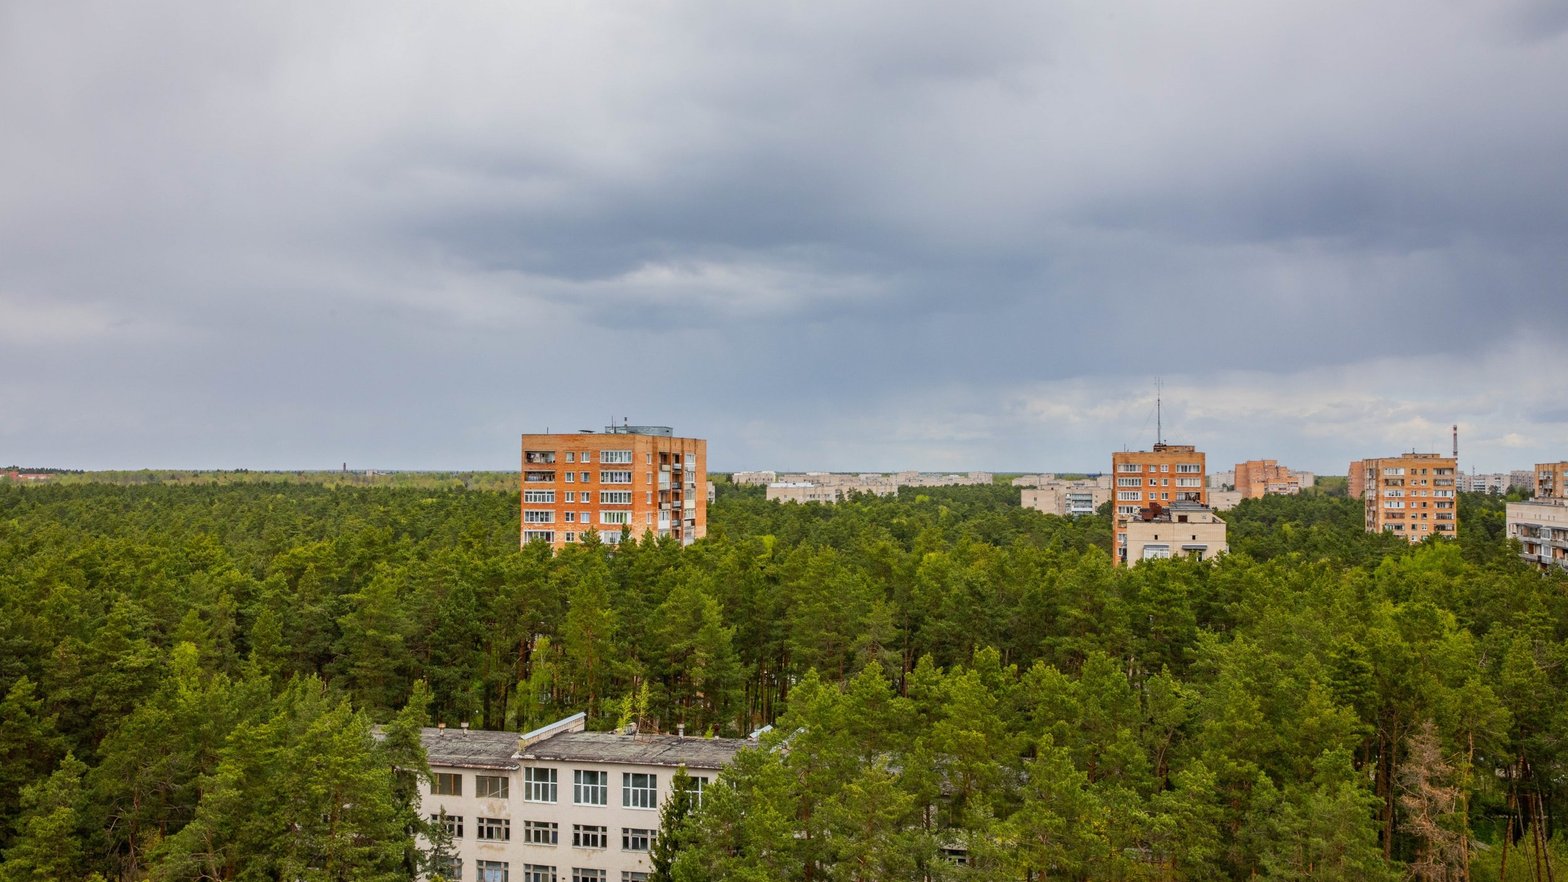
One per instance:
(441, 729)
(464, 724)
(680, 730)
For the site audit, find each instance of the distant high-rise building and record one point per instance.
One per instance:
(627, 478)
(1551, 480)
(1143, 478)
(1257, 478)
(1412, 495)
(1356, 480)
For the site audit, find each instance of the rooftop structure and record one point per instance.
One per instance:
(1182, 529)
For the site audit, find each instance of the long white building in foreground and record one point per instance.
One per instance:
(558, 804)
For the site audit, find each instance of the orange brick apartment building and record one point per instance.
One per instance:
(1168, 473)
(636, 478)
(1411, 495)
(1256, 478)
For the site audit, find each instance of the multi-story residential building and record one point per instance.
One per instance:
(1356, 480)
(1257, 478)
(1222, 480)
(1182, 529)
(1495, 483)
(767, 476)
(1551, 480)
(1412, 495)
(1541, 526)
(1167, 474)
(1522, 479)
(637, 479)
(1068, 498)
(558, 804)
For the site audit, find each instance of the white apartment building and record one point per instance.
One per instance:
(558, 804)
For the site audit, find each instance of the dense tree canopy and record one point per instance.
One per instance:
(959, 688)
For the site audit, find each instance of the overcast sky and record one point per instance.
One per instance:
(842, 235)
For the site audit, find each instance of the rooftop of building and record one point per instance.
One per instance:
(472, 748)
(489, 749)
(642, 750)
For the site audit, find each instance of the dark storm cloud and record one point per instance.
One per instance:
(874, 235)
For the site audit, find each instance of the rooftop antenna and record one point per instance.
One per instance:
(1159, 416)
(1456, 441)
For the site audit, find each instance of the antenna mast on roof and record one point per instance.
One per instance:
(1159, 417)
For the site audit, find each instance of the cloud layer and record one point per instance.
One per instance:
(865, 235)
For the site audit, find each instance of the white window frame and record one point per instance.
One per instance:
(539, 496)
(590, 783)
(492, 787)
(639, 790)
(615, 457)
(541, 832)
(615, 497)
(539, 784)
(614, 476)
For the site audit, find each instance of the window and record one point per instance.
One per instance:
(446, 784)
(491, 871)
(698, 784)
(571, 537)
(1153, 468)
(1127, 495)
(493, 829)
(606, 477)
(615, 517)
(540, 832)
(537, 496)
(616, 497)
(538, 873)
(639, 790)
(635, 839)
(584, 874)
(616, 456)
(449, 867)
(490, 787)
(571, 517)
(590, 836)
(571, 496)
(539, 477)
(590, 788)
(539, 457)
(1165, 466)
(584, 477)
(452, 823)
(569, 477)
(691, 460)
(1126, 509)
(633, 876)
(1128, 467)
(539, 785)
(570, 456)
(1188, 468)
(1129, 482)
(1189, 482)
(538, 516)
(587, 516)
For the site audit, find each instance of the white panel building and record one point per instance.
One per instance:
(558, 804)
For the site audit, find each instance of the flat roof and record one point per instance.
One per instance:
(488, 749)
(475, 748)
(647, 750)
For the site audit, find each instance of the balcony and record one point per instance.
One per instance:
(539, 457)
(538, 477)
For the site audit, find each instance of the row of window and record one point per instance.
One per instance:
(606, 497)
(545, 832)
(589, 787)
(1135, 495)
(1182, 468)
(547, 516)
(500, 871)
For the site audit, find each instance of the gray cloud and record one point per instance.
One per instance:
(848, 235)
